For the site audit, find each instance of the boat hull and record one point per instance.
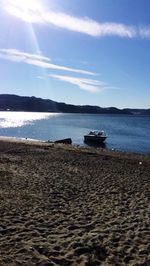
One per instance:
(95, 139)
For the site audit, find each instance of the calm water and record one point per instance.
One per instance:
(126, 133)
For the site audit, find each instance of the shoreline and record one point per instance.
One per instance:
(76, 146)
(66, 205)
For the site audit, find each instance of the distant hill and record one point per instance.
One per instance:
(33, 104)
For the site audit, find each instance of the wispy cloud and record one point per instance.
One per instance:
(88, 26)
(90, 85)
(36, 60)
(19, 56)
(144, 31)
(33, 11)
(85, 25)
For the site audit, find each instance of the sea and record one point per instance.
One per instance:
(129, 133)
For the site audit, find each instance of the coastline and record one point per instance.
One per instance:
(93, 148)
(70, 205)
(124, 133)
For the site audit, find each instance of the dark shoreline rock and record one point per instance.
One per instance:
(64, 141)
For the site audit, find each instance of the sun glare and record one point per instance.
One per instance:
(25, 4)
(27, 10)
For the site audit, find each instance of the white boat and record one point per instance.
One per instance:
(95, 136)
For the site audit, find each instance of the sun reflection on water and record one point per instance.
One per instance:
(19, 119)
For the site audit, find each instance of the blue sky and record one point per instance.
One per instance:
(93, 52)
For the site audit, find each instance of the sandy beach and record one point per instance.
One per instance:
(67, 205)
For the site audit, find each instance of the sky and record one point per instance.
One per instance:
(94, 52)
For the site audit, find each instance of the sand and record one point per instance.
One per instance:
(65, 205)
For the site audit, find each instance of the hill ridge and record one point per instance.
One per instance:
(14, 102)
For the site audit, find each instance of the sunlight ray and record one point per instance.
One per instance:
(44, 72)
